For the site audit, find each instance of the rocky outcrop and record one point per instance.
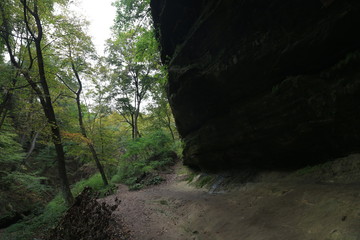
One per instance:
(262, 83)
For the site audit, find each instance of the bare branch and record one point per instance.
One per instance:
(63, 81)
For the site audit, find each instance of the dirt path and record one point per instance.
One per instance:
(254, 211)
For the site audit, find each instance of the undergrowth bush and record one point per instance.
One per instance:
(144, 157)
(96, 183)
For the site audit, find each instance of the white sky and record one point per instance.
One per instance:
(101, 15)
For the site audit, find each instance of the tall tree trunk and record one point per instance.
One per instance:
(47, 103)
(56, 136)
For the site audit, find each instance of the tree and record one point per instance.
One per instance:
(100, 108)
(130, 13)
(133, 55)
(27, 24)
(76, 47)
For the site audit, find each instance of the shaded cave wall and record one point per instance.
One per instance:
(262, 83)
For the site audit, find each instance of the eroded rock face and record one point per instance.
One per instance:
(262, 83)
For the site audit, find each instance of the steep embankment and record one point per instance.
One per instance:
(260, 83)
(314, 203)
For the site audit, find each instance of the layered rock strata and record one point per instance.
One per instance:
(262, 83)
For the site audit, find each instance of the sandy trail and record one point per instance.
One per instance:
(254, 211)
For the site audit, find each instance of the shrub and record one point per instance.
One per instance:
(96, 183)
(143, 157)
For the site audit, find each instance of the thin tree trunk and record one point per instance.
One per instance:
(132, 124)
(83, 130)
(101, 136)
(136, 115)
(32, 147)
(136, 131)
(169, 126)
(89, 143)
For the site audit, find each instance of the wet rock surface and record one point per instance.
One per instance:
(87, 219)
(268, 84)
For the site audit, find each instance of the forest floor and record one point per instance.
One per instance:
(319, 203)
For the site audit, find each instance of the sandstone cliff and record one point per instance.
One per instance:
(262, 83)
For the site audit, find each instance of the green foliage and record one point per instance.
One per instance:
(33, 225)
(96, 183)
(130, 13)
(146, 47)
(46, 156)
(134, 58)
(18, 181)
(11, 150)
(143, 157)
(155, 180)
(143, 148)
(13, 177)
(48, 217)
